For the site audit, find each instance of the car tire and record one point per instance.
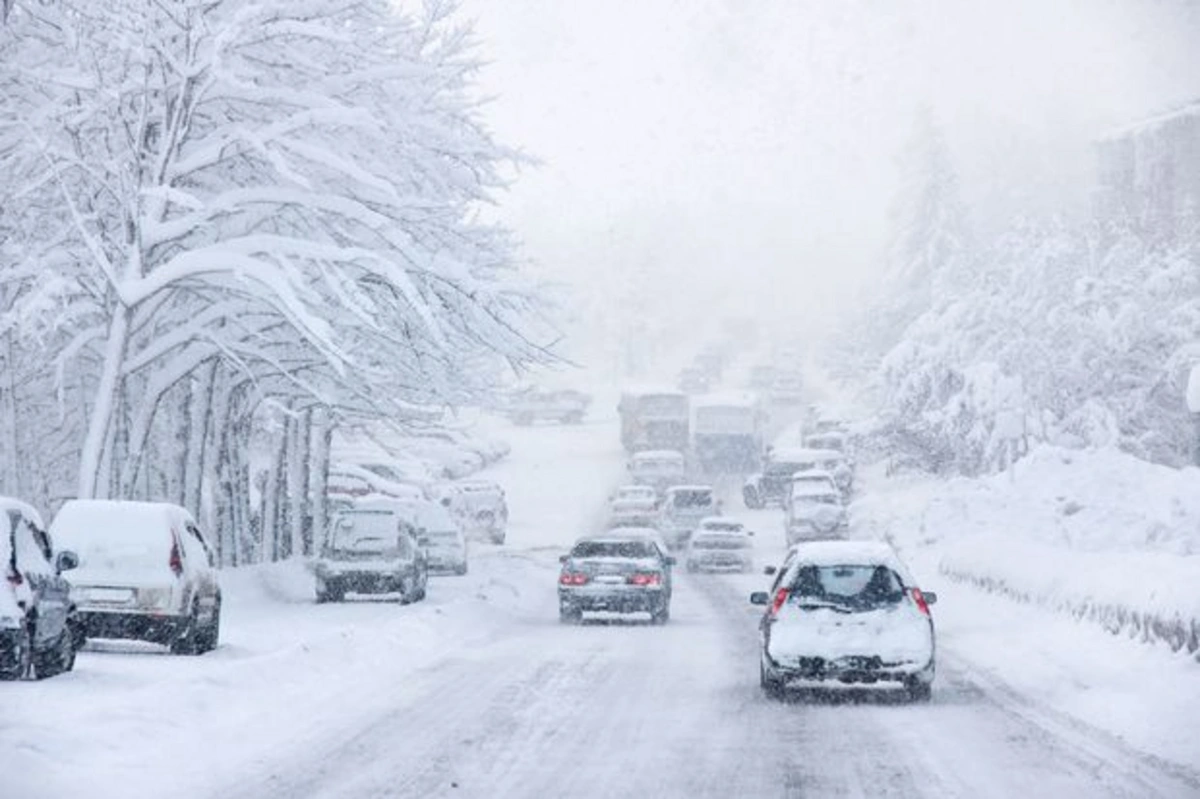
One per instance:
(461, 569)
(919, 692)
(771, 687)
(21, 658)
(661, 614)
(187, 640)
(423, 590)
(569, 614)
(58, 659)
(211, 636)
(752, 500)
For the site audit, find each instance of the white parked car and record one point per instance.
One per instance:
(480, 507)
(846, 613)
(146, 572)
(370, 549)
(437, 531)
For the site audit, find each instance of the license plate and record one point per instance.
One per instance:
(111, 595)
(610, 579)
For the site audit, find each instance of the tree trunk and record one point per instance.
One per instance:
(103, 409)
(319, 465)
(202, 417)
(298, 480)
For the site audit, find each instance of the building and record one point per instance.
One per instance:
(1148, 175)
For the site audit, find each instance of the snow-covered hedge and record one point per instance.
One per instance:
(1096, 533)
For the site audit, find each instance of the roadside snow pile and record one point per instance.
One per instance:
(1097, 534)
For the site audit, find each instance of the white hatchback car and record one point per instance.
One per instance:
(846, 613)
(145, 572)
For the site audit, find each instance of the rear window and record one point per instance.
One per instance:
(851, 586)
(614, 549)
(720, 542)
(692, 499)
(365, 532)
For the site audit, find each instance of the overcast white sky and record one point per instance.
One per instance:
(733, 154)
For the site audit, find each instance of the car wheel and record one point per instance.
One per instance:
(661, 615)
(187, 640)
(15, 664)
(771, 687)
(569, 614)
(461, 569)
(424, 589)
(212, 632)
(919, 691)
(58, 659)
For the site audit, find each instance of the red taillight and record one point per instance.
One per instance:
(15, 578)
(175, 561)
(780, 597)
(919, 598)
(645, 578)
(572, 578)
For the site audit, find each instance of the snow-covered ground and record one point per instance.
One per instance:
(481, 692)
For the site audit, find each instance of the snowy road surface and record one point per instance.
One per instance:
(480, 692)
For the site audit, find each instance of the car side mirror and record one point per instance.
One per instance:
(669, 560)
(760, 598)
(769, 570)
(562, 558)
(65, 561)
(930, 597)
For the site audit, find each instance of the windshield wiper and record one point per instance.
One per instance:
(811, 604)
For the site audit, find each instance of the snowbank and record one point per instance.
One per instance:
(1097, 534)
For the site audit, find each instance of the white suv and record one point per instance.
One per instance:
(145, 573)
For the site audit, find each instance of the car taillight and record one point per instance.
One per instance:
(780, 597)
(175, 561)
(645, 578)
(919, 598)
(573, 578)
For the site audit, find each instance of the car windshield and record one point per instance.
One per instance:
(614, 549)
(854, 586)
(692, 500)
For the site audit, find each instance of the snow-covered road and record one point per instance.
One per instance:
(480, 692)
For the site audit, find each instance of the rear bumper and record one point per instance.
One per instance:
(131, 626)
(365, 582)
(633, 600)
(854, 670)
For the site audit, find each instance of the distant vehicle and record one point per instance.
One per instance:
(481, 508)
(682, 508)
(37, 617)
(770, 486)
(618, 574)
(814, 512)
(827, 439)
(722, 524)
(813, 477)
(642, 493)
(762, 378)
(693, 381)
(845, 613)
(727, 432)
(632, 513)
(830, 461)
(788, 389)
(654, 419)
(146, 572)
(437, 531)
(354, 481)
(711, 363)
(719, 550)
(370, 550)
(566, 406)
(657, 468)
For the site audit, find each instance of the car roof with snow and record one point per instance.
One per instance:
(478, 485)
(847, 553)
(678, 489)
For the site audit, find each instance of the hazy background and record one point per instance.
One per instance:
(701, 157)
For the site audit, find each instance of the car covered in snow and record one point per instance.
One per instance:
(632, 513)
(846, 613)
(146, 573)
(657, 468)
(370, 549)
(712, 548)
(812, 477)
(682, 508)
(771, 484)
(481, 508)
(37, 616)
(814, 512)
(355, 480)
(615, 573)
(641, 493)
(534, 405)
(436, 530)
